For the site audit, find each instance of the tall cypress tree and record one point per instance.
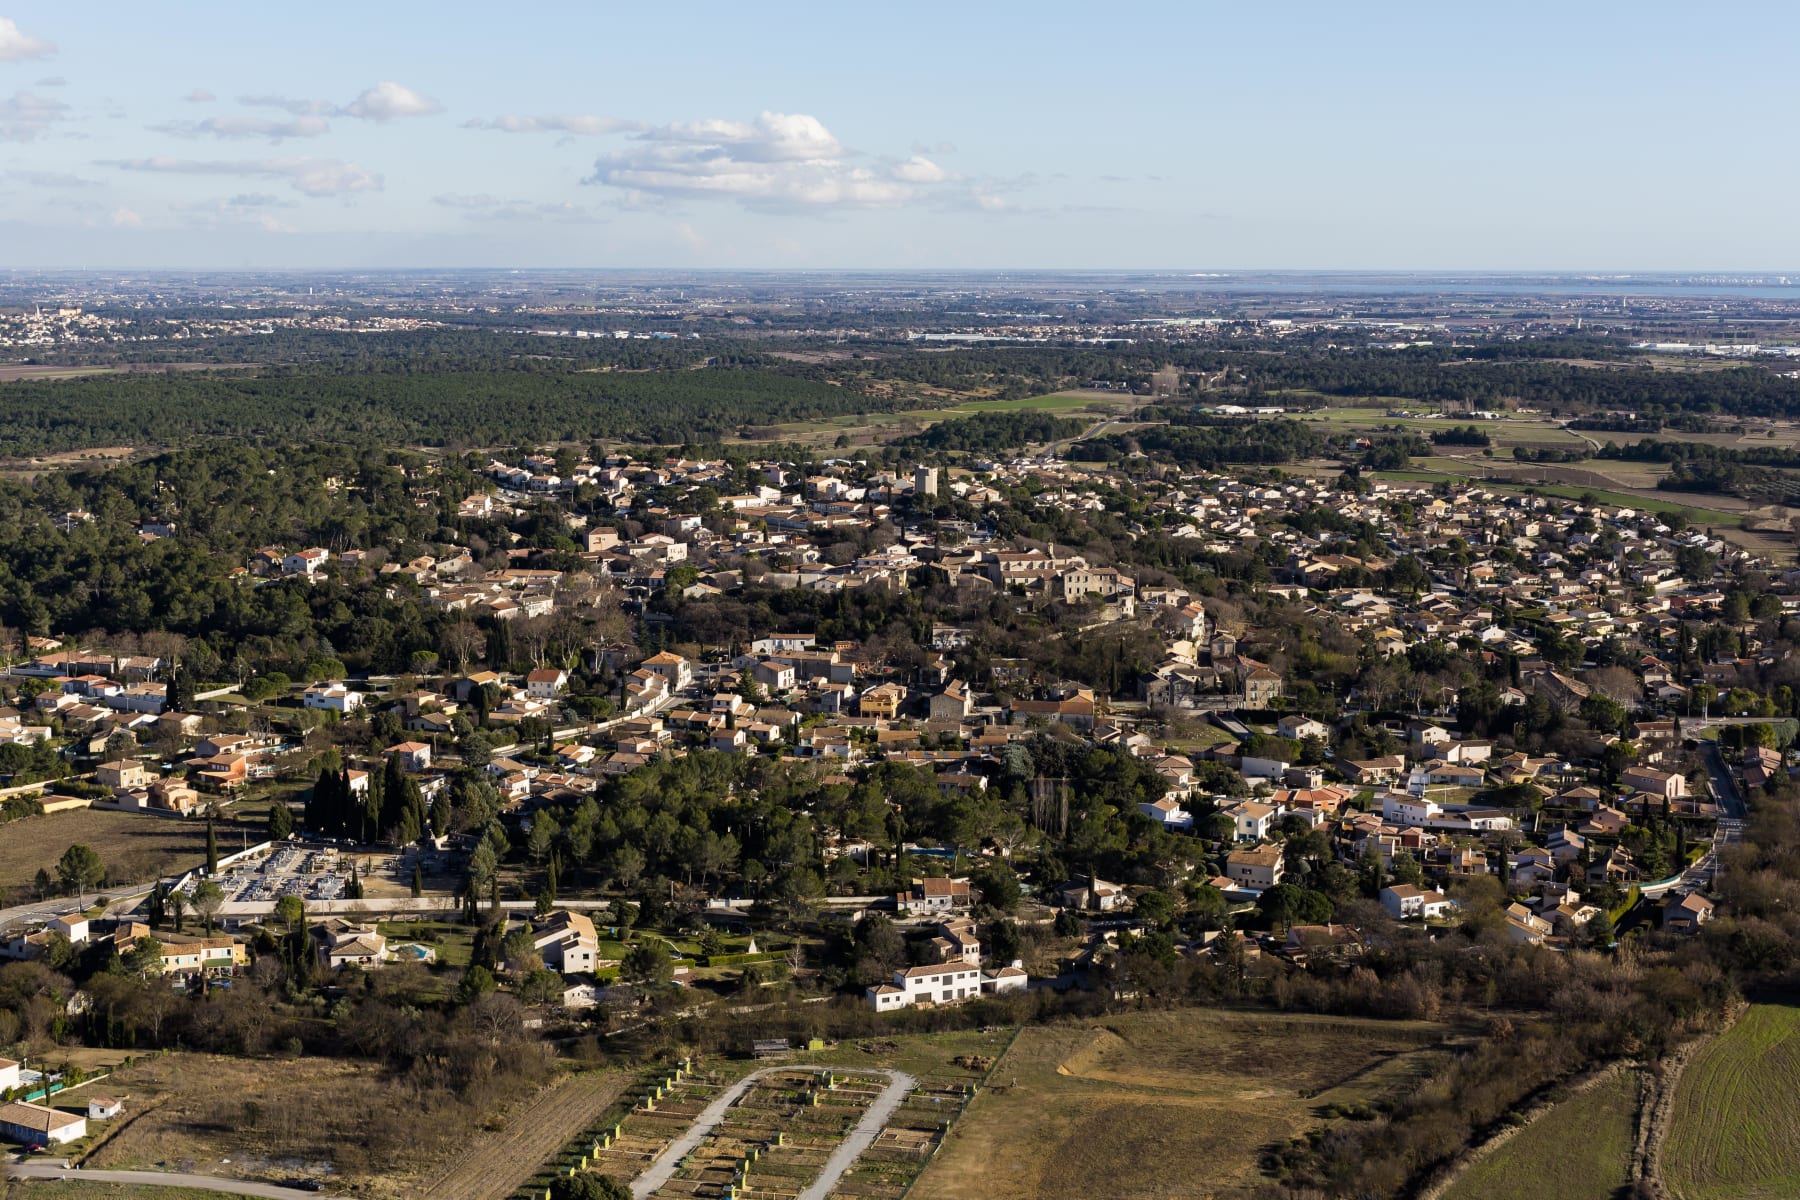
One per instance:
(212, 849)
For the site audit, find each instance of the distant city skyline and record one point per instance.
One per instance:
(1001, 136)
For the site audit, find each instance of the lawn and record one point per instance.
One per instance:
(135, 847)
(1152, 1105)
(454, 942)
(1734, 1133)
(1584, 1144)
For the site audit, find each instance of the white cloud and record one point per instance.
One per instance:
(287, 104)
(247, 127)
(919, 169)
(125, 218)
(199, 96)
(779, 160)
(24, 116)
(308, 176)
(486, 207)
(16, 45)
(46, 179)
(383, 102)
(583, 126)
(52, 81)
(387, 100)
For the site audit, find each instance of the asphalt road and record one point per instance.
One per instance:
(210, 1183)
(122, 901)
(1725, 788)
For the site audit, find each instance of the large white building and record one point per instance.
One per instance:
(945, 983)
(334, 697)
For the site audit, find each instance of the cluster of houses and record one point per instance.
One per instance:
(1590, 572)
(187, 956)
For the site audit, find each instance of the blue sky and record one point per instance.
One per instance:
(980, 135)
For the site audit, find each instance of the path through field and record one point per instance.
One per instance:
(207, 1183)
(498, 1163)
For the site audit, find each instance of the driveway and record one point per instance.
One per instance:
(210, 1183)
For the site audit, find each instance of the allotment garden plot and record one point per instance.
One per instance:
(781, 1133)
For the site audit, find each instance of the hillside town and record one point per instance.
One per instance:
(1476, 624)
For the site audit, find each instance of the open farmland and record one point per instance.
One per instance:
(1521, 431)
(1583, 1144)
(1071, 1107)
(1734, 1133)
(135, 847)
(497, 1162)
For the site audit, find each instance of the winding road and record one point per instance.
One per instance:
(664, 1166)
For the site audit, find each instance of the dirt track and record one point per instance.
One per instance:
(497, 1163)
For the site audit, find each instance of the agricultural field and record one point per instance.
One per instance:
(135, 847)
(16, 371)
(1523, 431)
(1070, 1108)
(499, 1161)
(1734, 1132)
(1584, 1144)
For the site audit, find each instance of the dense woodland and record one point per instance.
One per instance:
(988, 432)
(469, 408)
